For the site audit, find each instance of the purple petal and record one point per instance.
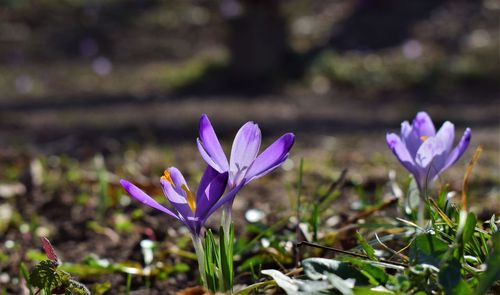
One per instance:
(443, 142)
(428, 152)
(423, 126)
(142, 197)
(208, 159)
(228, 198)
(405, 129)
(210, 195)
(178, 179)
(209, 175)
(178, 201)
(431, 157)
(209, 146)
(446, 134)
(173, 195)
(410, 139)
(401, 152)
(459, 149)
(244, 151)
(271, 158)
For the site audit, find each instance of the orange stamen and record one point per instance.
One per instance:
(424, 138)
(166, 176)
(190, 198)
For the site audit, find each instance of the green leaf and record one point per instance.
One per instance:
(46, 276)
(492, 274)
(449, 276)
(289, 285)
(462, 288)
(428, 249)
(370, 252)
(226, 254)
(256, 260)
(298, 287)
(181, 267)
(78, 288)
(325, 276)
(128, 286)
(401, 283)
(443, 197)
(493, 225)
(344, 286)
(101, 288)
(314, 221)
(320, 268)
(210, 271)
(375, 274)
(371, 291)
(469, 228)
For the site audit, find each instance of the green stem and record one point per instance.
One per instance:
(226, 222)
(421, 212)
(198, 248)
(226, 249)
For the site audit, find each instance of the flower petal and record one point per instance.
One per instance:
(410, 139)
(209, 146)
(459, 149)
(178, 201)
(208, 159)
(428, 152)
(244, 151)
(210, 195)
(177, 178)
(172, 194)
(209, 175)
(227, 198)
(438, 149)
(431, 157)
(272, 157)
(176, 194)
(446, 135)
(401, 152)
(422, 125)
(142, 197)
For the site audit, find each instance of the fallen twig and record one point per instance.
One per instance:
(308, 244)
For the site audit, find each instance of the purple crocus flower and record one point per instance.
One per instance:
(192, 210)
(425, 153)
(245, 164)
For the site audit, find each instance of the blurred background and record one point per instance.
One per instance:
(148, 68)
(119, 85)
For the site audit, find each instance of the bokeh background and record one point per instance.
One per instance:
(84, 67)
(117, 87)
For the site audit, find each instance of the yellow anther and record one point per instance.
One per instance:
(190, 198)
(424, 138)
(166, 176)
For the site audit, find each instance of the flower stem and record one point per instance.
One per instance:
(421, 212)
(226, 222)
(198, 248)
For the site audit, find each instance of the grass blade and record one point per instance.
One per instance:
(468, 172)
